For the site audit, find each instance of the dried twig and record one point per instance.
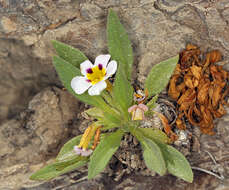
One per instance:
(221, 177)
(208, 172)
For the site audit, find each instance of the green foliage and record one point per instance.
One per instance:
(53, 170)
(107, 124)
(118, 43)
(66, 161)
(104, 118)
(151, 152)
(69, 54)
(154, 134)
(108, 98)
(111, 119)
(123, 92)
(103, 153)
(151, 103)
(153, 156)
(111, 111)
(60, 165)
(68, 149)
(95, 112)
(159, 76)
(176, 163)
(121, 51)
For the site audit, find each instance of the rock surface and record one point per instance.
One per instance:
(37, 117)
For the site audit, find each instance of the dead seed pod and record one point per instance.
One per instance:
(204, 88)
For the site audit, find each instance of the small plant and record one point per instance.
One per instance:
(114, 106)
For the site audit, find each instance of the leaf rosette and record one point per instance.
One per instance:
(113, 107)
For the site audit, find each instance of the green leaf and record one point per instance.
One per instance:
(108, 97)
(111, 119)
(60, 165)
(152, 102)
(107, 124)
(159, 75)
(152, 155)
(118, 43)
(103, 116)
(103, 153)
(123, 91)
(67, 72)
(154, 134)
(121, 51)
(52, 171)
(68, 149)
(69, 54)
(95, 112)
(176, 163)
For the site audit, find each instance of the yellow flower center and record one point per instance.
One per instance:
(96, 74)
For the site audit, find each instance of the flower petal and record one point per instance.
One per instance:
(97, 88)
(103, 60)
(132, 108)
(84, 66)
(77, 150)
(111, 69)
(143, 107)
(86, 152)
(138, 114)
(80, 84)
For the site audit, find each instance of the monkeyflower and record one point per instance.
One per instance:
(137, 111)
(94, 76)
(82, 148)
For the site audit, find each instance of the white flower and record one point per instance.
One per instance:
(94, 76)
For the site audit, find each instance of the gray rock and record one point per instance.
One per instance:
(37, 133)
(22, 75)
